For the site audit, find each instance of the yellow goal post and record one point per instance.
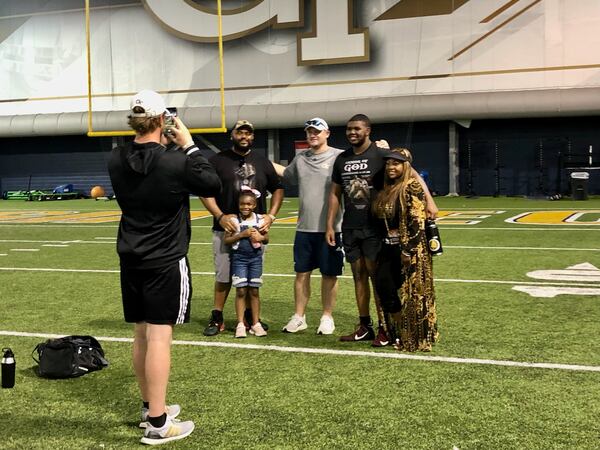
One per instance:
(92, 133)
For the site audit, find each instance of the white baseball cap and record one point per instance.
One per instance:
(317, 123)
(150, 102)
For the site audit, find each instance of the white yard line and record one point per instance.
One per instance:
(292, 275)
(107, 240)
(31, 241)
(568, 249)
(514, 227)
(325, 351)
(54, 245)
(556, 227)
(24, 249)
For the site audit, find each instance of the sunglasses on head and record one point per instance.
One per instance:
(313, 123)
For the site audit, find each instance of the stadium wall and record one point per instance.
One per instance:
(534, 156)
(414, 67)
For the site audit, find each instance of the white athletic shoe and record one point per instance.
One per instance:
(172, 430)
(258, 330)
(326, 326)
(240, 330)
(296, 323)
(171, 410)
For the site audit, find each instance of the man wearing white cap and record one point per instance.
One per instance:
(311, 171)
(152, 184)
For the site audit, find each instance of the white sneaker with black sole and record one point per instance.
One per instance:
(171, 410)
(172, 430)
(296, 323)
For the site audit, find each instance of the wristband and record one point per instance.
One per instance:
(405, 253)
(272, 216)
(220, 217)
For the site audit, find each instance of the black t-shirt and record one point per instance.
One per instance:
(359, 176)
(235, 171)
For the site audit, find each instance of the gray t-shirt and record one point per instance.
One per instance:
(312, 173)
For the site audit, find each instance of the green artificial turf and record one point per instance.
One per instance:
(264, 399)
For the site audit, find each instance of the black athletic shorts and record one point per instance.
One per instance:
(365, 242)
(157, 296)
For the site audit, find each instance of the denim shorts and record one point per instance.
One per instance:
(246, 268)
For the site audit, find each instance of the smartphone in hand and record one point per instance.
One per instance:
(170, 121)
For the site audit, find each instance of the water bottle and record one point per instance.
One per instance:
(8, 368)
(434, 242)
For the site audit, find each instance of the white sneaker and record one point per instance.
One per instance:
(326, 326)
(171, 410)
(240, 330)
(258, 330)
(172, 430)
(296, 323)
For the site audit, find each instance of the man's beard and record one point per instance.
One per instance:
(240, 149)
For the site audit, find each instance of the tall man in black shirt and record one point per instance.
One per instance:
(355, 174)
(152, 185)
(237, 167)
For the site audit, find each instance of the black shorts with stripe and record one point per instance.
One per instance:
(158, 296)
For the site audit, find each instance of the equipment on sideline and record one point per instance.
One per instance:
(69, 357)
(8, 368)
(96, 192)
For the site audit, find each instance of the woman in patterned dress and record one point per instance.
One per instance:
(404, 279)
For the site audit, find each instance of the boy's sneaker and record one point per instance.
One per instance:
(296, 323)
(326, 326)
(382, 339)
(215, 325)
(171, 410)
(258, 330)
(362, 333)
(171, 431)
(240, 330)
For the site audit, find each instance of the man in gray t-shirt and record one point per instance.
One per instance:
(311, 171)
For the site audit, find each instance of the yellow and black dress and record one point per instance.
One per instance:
(408, 293)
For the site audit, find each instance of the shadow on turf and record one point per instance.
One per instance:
(110, 325)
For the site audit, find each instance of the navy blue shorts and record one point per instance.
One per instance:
(311, 251)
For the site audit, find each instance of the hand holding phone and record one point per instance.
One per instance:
(180, 134)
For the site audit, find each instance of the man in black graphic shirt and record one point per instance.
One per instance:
(357, 172)
(152, 184)
(237, 167)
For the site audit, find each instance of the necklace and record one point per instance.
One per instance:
(241, 154)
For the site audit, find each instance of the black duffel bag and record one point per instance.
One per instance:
(69, 357)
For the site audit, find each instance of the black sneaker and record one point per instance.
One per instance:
(248, 320)
(215, 326)
(362, 333)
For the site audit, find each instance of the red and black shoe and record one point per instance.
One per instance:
(215, 324)
(382, 339)
(362, 333)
